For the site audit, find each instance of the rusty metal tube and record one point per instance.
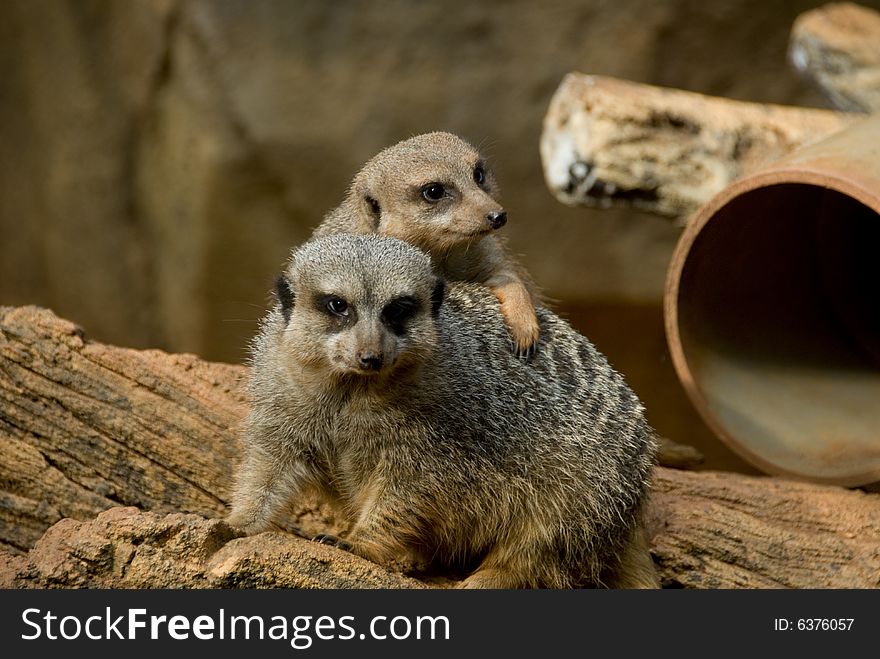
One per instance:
(772, 311)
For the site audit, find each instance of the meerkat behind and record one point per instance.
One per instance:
(435, 191)
(395, 396)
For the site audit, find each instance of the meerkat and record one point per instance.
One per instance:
(394, 395)
(436, 191)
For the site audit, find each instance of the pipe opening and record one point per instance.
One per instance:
(779, 322)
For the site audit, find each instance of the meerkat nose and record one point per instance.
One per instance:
(370, 361)
(497, 219)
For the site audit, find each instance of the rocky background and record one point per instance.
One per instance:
(158, 158)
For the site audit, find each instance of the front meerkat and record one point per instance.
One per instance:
(435, 191)
(403, 405)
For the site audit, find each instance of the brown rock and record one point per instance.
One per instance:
(127, 548)
(676, 455)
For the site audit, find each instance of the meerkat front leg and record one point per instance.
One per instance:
(636, 568)
(491, 578)
(490, 263)
(518, 310)
(379, 533)
(502, 568)
(264, 485)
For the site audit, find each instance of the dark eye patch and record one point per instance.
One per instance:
(398, 311)
(285, 295)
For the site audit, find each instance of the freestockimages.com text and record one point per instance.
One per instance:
(300, 631)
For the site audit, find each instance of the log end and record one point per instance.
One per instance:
(835, 48)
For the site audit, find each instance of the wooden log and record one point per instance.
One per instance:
(723, 530)
(837, 47)
(85, 427)
(608, 142)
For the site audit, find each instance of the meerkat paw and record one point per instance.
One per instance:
(492, 578)
(333, 541)
(519, 315)
(526, 347)
(244, 521)
(524, 333)
(637, 569)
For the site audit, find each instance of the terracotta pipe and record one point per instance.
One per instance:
(773, 311)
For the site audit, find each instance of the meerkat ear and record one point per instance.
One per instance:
(285, 295)
(437, 296)
(373, 208)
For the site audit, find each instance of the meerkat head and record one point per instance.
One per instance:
(434, 191)
(362, 306)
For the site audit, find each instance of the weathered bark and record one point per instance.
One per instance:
(837, 47)
(611, 142)
(85, 427)
(723, 530)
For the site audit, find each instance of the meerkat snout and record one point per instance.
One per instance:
(367, 342)
(370, 361)
(496, 219)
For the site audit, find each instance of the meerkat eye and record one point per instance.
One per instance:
(337, 306)
(433, 192)
(479, 175)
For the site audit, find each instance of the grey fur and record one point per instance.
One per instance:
(532, 474)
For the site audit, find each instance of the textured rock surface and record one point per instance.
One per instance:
(159, 158)
(708, 530)
(127, 548)
(613, 142)
(835, 46)
(85, 427)
(722, 530)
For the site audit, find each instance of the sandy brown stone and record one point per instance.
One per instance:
(678, 456)
(128, 548)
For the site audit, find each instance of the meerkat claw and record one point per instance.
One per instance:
(527, 352)
(525, 343)
(333, 541)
